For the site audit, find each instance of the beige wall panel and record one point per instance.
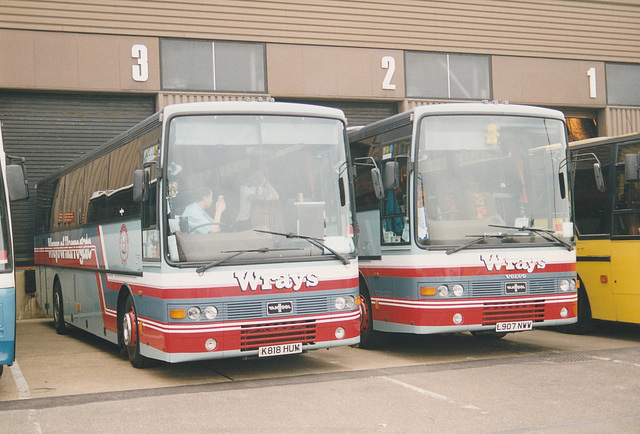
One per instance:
(579, 29)
(17, 65)
(56, 60)
(332, 72)
(319, 69)
(98, 62)
(69, 61)
(547, 81)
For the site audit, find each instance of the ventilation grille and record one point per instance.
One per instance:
(275, 333)
(493, 313)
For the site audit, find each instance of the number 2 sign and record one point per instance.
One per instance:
(388, 63)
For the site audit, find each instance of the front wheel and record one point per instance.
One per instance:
(488, 334)
(585, 322)
(369, 338)
(130, 336)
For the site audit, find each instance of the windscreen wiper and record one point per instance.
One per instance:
(315, 241)
(477, 240)
(235, 253)
(543, 233)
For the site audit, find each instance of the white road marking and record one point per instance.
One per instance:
(429, 393)
(21, 383)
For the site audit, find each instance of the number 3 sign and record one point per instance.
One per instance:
(140, 71)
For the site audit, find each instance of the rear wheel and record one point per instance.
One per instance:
(58, 309)
(1, 369)
(130, 337)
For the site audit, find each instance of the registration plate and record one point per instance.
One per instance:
(280, 350)
(514, 326)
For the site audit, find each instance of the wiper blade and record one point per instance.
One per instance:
(235, 253)
(479, 239)
(315, 241)
(544, 233)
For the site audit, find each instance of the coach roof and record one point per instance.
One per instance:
(252, 107)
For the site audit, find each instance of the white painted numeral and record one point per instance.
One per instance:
(140, 71)
(388, 63)
(591, 73)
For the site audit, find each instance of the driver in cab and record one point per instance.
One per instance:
(200, 221)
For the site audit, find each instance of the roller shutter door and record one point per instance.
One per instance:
(52, 129)
(357, 113)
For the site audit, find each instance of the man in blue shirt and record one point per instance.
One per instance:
(200, 221)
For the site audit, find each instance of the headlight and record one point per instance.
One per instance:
(443, 290)
(458, 290)
(340, 303)
(564, 285)
(194, 313)
(351, 302)
(210, 312)
(572, 285)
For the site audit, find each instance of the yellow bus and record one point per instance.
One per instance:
(606, 205)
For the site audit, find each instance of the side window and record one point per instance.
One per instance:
(149, 207)
(395, 205)
(394, 212)
(150, 230)
(43, 208)
(150, 148)
(57, 207)
(94, 203)
(626, 207)
(123, 162)
(6, 258)
(72, 210)
(363, 185)
(591, 207)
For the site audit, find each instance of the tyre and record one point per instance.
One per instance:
(1, 369)
(488, 334)
(58, 309)
(130, 337)
(585, 322)
(369, 338)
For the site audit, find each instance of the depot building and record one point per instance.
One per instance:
(74, 75)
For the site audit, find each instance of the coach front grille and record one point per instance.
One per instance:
(496, 288)
(257, 307)
(253, 336)
(530, 310)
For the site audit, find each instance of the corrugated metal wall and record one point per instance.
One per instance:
(167, 98)
(357, 113)
(580, 29)
(622, 120)
(51, 130)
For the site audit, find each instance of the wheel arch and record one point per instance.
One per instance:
(362, 282)
(123, 294)
(583, 296)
